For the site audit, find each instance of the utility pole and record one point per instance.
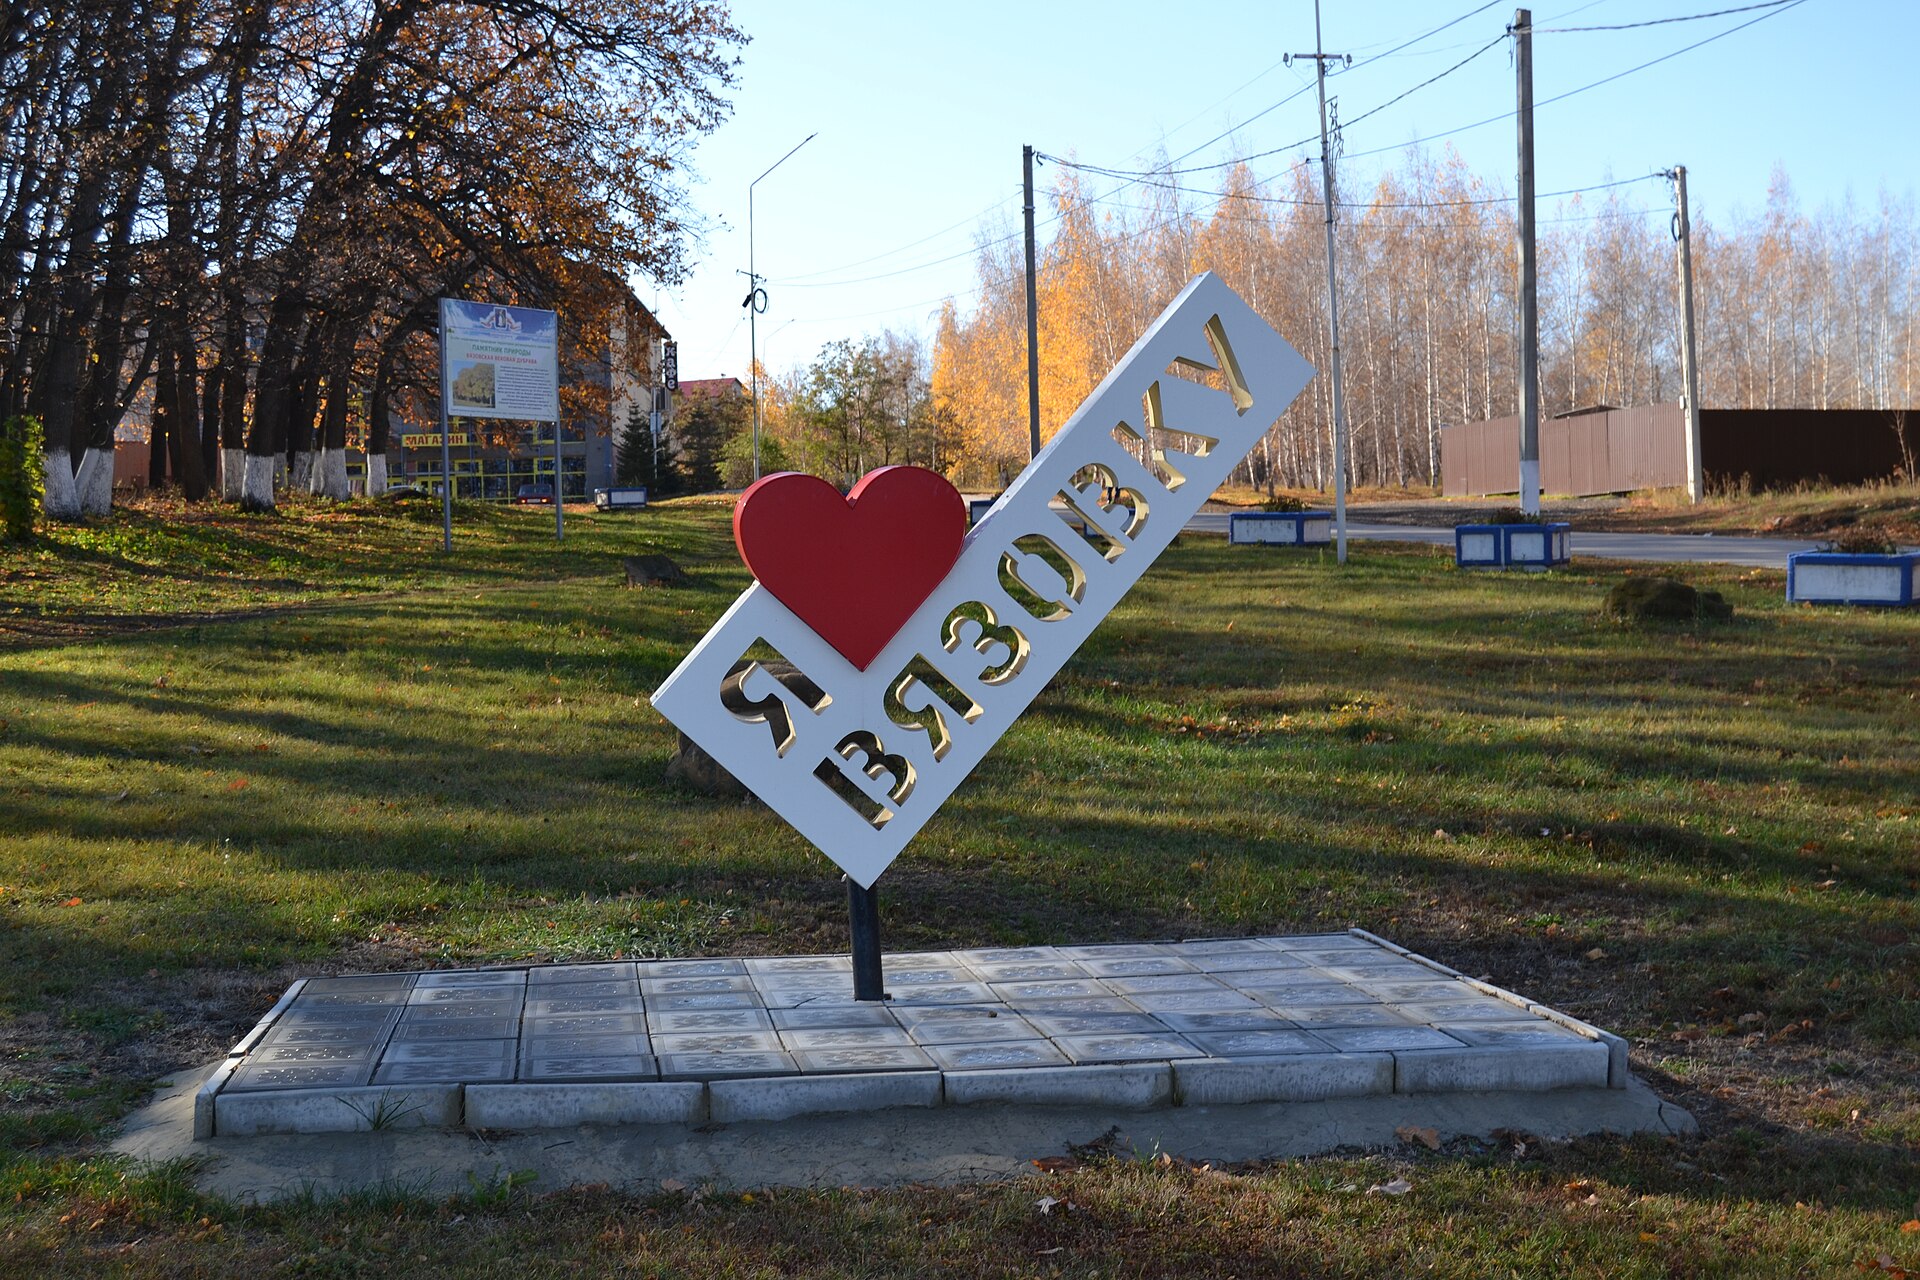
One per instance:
(1529, 292)
(1033, 318)
(1689, 358)
(756, 302)
(1320, 59)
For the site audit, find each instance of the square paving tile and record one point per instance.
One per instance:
(489, 996)
(1162, 982)
(586, 1024)
(1030, 971)
(823, 1016)
(1532, 1032)
(823, 980)
(1008, 1026)
(704, 1000)
(952, 993)
(803, 998)
(473, 978)
(568, 1007)
(1056, 989)
(1056, 1008)
(695, 984)
(615, 971)
(1376, 1039)
(1247, 962)
(457, 1029)
(926, 977)
(458, 1010)
(719, 1066)
(1460, 1011)
(1251, 1018)
(672, 1021)
(391, 997)
(721, 967)
(317, 1054)
(799, 964)
(584, 1046)
(1112, 951)
(1083, 1024)
(836, 1061)
(1126, 1048)
(891, 961)
(1342, 1015)
(1324, 942)
(1257, 1044)
(328, 1033)
(1422, 992)
(555, 1068)
(324, 1015)
(718, 1042)
(995, 1056)
(1136, 967)
(453, 1052)
(470, 1072)
(1189, 1001)
(1192, 947)
(364, 982)
(584, 990)
(1009, 955)
(298, 1075)
(1307, 993)
(846, 1038)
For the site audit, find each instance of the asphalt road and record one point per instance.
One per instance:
(1661, 548)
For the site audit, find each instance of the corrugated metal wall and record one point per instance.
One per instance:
(1618, 450)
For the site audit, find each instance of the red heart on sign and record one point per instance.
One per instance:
(853, 568)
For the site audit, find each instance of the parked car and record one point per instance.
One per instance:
(533, 495)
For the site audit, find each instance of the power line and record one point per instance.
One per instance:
(848, 266)
(1785, 6)
(1661, 22)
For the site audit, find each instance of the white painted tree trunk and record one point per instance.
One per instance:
(330, 475)
(376, 474)
(233, 471)
(301, 479)
(256, 486)
(94, 484)
(61, 500)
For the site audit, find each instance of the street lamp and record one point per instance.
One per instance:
(756, 302)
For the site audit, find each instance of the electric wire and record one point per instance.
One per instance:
(1661, 22)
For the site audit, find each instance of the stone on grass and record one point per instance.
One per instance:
(1666, 600)
(654, 571)
(693, 767)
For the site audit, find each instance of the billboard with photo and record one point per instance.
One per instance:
(498, 361)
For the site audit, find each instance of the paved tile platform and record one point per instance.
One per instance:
(1199, 1023)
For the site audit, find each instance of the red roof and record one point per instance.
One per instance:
(710, 388)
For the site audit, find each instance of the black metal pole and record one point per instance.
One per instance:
(863, 920)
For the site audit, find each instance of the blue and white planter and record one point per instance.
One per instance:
(1837, 577)
(1511, 546)
(1280, 528)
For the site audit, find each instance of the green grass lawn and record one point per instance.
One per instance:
(240, 749)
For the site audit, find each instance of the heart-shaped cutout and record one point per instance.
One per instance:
(853, 568)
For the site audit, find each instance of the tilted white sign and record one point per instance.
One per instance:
(860, 772)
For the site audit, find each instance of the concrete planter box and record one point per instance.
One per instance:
(1510, 546)
(1836, 577)
(1280, 528)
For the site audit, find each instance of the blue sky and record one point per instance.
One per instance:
(921, 111)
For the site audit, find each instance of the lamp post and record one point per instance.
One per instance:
(756, 301)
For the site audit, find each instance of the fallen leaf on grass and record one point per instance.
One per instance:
(1045, 1204)
(1912, 1224)
(672, 1184)
(74, 902)
(1398, 1187)
(1596, 954)
(1055, 1164)
(1410, 1134)
(1048, 1253)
